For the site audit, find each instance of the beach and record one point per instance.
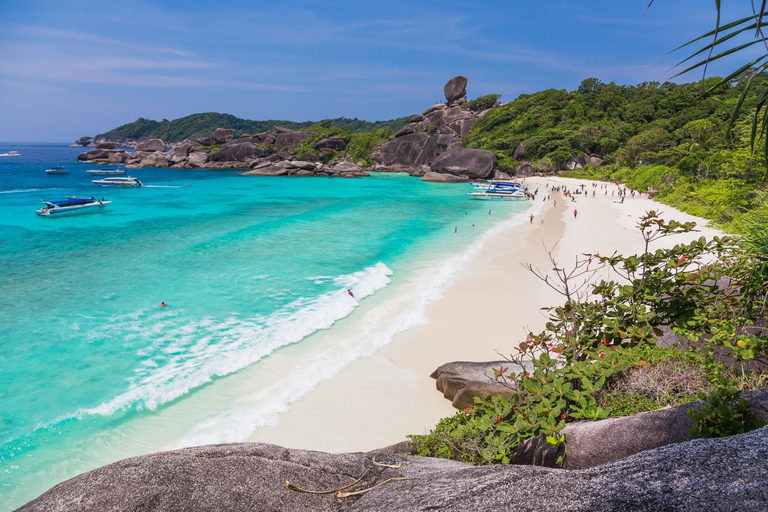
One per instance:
(486, 309)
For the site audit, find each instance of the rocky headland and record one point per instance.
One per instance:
(429, 146)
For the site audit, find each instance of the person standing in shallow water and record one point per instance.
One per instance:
(350, 293)
(531, 218)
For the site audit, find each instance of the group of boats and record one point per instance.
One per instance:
(73, 204)
(498, 190)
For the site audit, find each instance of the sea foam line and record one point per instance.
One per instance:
(20, 191)
(378, 329)
(191, 360)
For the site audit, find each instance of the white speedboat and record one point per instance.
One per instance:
(72, 205)
(126, 181)
(57, 170)
(500, 184)
(106, 171)
(499, 195)
(11, 153)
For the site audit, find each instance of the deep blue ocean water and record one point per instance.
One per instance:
(247, 266)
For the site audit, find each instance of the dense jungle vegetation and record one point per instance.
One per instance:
(672, 138)
(203, 125)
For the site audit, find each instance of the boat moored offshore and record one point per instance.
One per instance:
(106, 171)
(121, 181)
(71, 205)
(57, 170)
(11, 153)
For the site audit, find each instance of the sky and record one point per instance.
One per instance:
(75, 68)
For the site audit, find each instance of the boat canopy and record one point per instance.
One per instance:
(71, 201)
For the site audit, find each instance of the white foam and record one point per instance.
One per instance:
(20, 191)
(376, 329)
(185, 357)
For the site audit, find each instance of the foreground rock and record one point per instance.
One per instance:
(716, 474)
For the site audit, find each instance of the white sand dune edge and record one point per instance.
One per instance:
(492, 303)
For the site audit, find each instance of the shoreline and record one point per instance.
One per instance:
(484, 311)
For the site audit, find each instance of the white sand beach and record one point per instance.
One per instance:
(487, 309)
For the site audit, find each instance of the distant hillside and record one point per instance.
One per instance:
(202, 125)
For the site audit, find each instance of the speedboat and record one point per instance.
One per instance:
(500, 184)
(11, 153)
(106, 171)
(126, 181)
(57, 170)
(495, 194)
(72, 205)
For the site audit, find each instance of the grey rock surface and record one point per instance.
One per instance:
(150, 145)
(270, 170)
(475, 163)
(105, 145)
(197, 158)
(455, 88)
(441, 177)
(237, 152)
(222, 135)
(332, 143)
(290, 138)
(524, 169)
(715, 475)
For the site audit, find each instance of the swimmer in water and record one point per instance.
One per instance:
(163, 305)
(350, 293)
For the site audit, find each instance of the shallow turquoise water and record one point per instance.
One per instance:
(247, 265)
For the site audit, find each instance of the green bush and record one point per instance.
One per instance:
(723, 413)
(483, 102)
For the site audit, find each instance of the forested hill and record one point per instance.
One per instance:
(626, 125)
(202, 125)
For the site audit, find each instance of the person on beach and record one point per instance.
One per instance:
(163, 304)
(456, 229)
(350, 293)
(531, 218)
(575, 213)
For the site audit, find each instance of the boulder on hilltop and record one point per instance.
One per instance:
(456, 89)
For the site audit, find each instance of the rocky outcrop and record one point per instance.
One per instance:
(290, 138)
(222, 135)
(237, 152)
(105, 145)
(437, 130)
(705, 474)
(331, 143)
(84, 141)
(475, 163)
(150, 145)
(197, 158)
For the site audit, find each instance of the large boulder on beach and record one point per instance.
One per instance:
(461, 382)
(704, 474)
(150, 145)
(237, 152)
(475, 163)
(456, 88)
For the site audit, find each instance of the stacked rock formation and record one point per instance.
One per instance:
(435, 133)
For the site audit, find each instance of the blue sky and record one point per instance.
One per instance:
(74, 68)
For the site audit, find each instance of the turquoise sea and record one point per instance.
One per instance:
(93, 370)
